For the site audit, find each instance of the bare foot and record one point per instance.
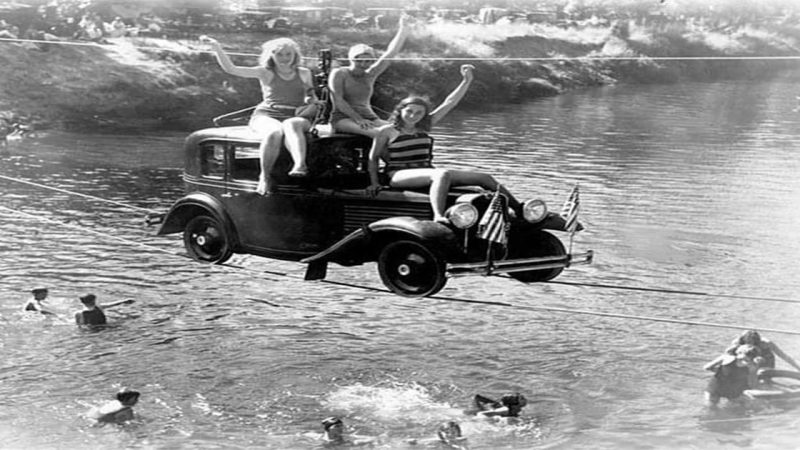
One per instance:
(264, 188)
(441, 219)
(298, 172)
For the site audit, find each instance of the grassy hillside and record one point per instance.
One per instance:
(135, 82)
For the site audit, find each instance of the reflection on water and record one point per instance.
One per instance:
(685, 187)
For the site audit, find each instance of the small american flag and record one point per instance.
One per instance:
(571, 209)
(492, 226)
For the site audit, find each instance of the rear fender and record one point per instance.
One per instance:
(193, 205)
(364, 244)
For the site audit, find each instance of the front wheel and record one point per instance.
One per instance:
(205, 239)
(410, 269)
(532, 245)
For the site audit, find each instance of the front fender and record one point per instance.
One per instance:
(554, 221)
(364, 244)
(190, 206)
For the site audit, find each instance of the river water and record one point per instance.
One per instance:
(689, 187)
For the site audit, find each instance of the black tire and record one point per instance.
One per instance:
(536, 244)
(411, 269)
(206, 240)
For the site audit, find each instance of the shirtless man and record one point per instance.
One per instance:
(92, 313)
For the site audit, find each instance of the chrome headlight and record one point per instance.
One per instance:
(462, 215)
(534, 210)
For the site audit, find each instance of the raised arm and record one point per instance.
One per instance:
(392, 50)
(226, 63)
(458, 93)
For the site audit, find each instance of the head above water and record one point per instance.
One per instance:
(449, 431)
(750, 337)
(514, 399)
(746, 351)
(127, 397)
(88, 299)
(270, 48)
(424, 124)
(331, 422)
(39, 292)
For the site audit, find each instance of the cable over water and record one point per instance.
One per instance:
(445, 58)
(442, 298)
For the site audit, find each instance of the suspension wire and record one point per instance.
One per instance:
(445, 58)
(450, 299)
(676, 291)
(79, 194)
(566, 283)
(123, 240)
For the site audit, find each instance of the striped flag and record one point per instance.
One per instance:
(492, 226)
(571, 209)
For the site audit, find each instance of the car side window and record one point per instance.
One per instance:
(246, 163)
(212, 160)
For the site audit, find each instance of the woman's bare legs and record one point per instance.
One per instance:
(295, 139)
(440, 181)
(350, 126)
(437, 179)
(269, 148)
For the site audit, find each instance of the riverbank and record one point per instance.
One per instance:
(173, 84)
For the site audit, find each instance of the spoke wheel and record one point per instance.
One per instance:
(537, 244)
(410, 269)
(206, 240)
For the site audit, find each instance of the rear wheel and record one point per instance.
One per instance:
(532, 245)
(410, 269)
(206, 240)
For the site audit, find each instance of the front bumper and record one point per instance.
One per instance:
(518, 265)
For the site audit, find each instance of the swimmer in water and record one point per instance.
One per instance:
(448, 436)
(36, 303)
(92, 313)
(116, 411)
(768, 350)
(509, 405)
(334, 434)
(732, 375)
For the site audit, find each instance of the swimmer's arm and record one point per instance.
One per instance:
(712, 366)
(778, 352)
(501, 411)
(121, 302)
(752, 376)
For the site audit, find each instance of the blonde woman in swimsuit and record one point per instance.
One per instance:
(285, 87)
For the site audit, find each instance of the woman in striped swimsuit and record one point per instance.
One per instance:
(286, 88)
(406, 149)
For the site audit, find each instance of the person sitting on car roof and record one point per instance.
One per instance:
(287, 108)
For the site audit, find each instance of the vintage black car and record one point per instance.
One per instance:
(328, 217)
